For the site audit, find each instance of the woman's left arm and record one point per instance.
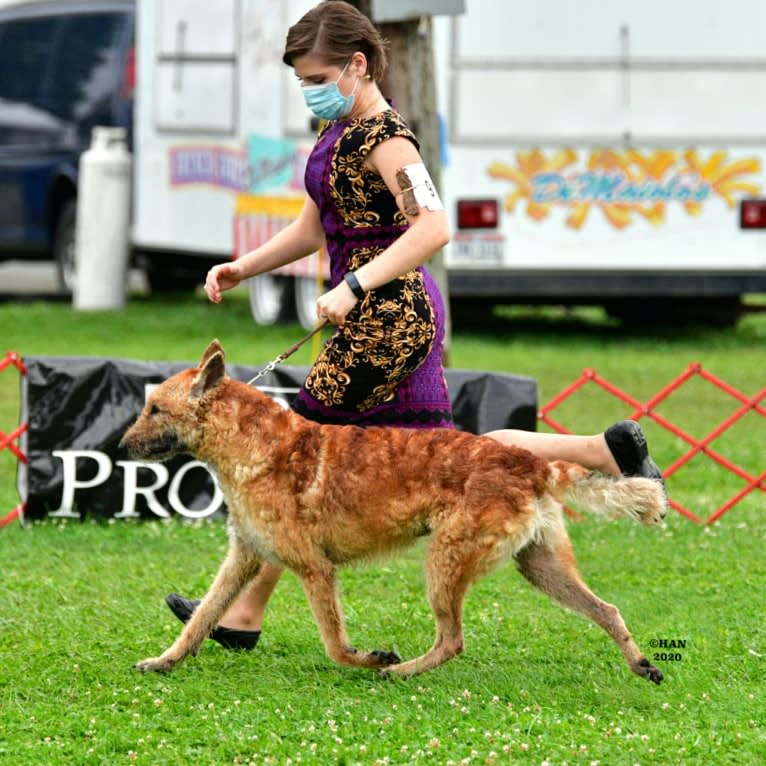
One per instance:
(429, 227)
(427, 233)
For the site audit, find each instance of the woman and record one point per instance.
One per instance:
(373, 207)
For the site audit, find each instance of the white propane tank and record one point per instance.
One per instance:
(103, 222)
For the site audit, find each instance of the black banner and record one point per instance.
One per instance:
(78, 408)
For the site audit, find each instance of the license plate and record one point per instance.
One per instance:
(478, 249)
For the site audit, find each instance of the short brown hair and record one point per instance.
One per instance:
(335, 30)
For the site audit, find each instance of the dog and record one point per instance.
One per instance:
(314, 497)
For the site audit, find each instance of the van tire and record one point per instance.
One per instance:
(306, 294)
(271, 299)
(63, 246)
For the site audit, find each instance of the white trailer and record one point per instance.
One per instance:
(608, 153)
(221, 138)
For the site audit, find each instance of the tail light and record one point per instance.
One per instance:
(129, 74)
(752, 214)
(477, 214)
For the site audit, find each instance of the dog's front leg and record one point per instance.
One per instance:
(239, 567)
(322, 592)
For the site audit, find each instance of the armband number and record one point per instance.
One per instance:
(418, 190)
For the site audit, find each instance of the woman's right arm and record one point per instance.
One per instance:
(298, 239)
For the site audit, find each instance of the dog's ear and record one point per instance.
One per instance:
(215, 347)
(210, 374)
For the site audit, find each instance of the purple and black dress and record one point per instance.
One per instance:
(383, 366)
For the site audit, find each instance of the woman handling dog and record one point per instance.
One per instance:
(372, 205)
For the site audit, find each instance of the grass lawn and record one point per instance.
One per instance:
(81, 602)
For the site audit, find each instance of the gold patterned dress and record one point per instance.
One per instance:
(383, 366)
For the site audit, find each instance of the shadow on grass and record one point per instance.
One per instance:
(593, 323)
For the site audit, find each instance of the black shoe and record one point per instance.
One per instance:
(229, 638)
(180, 606)
(627, 443)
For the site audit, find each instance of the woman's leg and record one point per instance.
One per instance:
(240, 626)
(246, 613)
(620, 451)
(589, 451)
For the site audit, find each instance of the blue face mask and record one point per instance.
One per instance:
(326, 100)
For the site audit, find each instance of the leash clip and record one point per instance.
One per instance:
(272, 365)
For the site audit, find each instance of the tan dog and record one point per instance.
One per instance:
(313, 497)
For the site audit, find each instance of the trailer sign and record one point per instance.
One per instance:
(217, 166)
(626, 186)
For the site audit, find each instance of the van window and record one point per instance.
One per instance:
(87, 69)
(25, 47)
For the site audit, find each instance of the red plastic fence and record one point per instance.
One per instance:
(748, 404)
(647, 409)
(8, 441)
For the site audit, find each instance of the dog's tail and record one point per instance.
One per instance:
(641, 499)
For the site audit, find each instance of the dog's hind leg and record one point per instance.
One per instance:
(239, 567)
(321, 589)
(551, 568)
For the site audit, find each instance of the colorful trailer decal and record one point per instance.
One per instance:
(258, 218)
(264, 164)
(625, 186)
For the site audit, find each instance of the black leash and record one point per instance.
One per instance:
(290, 351)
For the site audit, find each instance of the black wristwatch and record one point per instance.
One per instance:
(351, 280)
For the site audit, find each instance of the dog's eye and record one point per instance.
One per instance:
(154, 410)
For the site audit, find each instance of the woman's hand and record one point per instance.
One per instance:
(336, 303)
(220, 278)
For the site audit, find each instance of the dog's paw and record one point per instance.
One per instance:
(155, 665)
(384, 659)
(646, 670)
(398, 670)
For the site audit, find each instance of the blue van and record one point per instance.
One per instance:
(64, 68)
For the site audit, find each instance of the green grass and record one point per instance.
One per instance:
(81, 602)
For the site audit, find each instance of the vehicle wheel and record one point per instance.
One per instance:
(306, 294)
(63, 246)
(271, 299)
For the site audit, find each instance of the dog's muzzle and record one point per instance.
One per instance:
(162, 447)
